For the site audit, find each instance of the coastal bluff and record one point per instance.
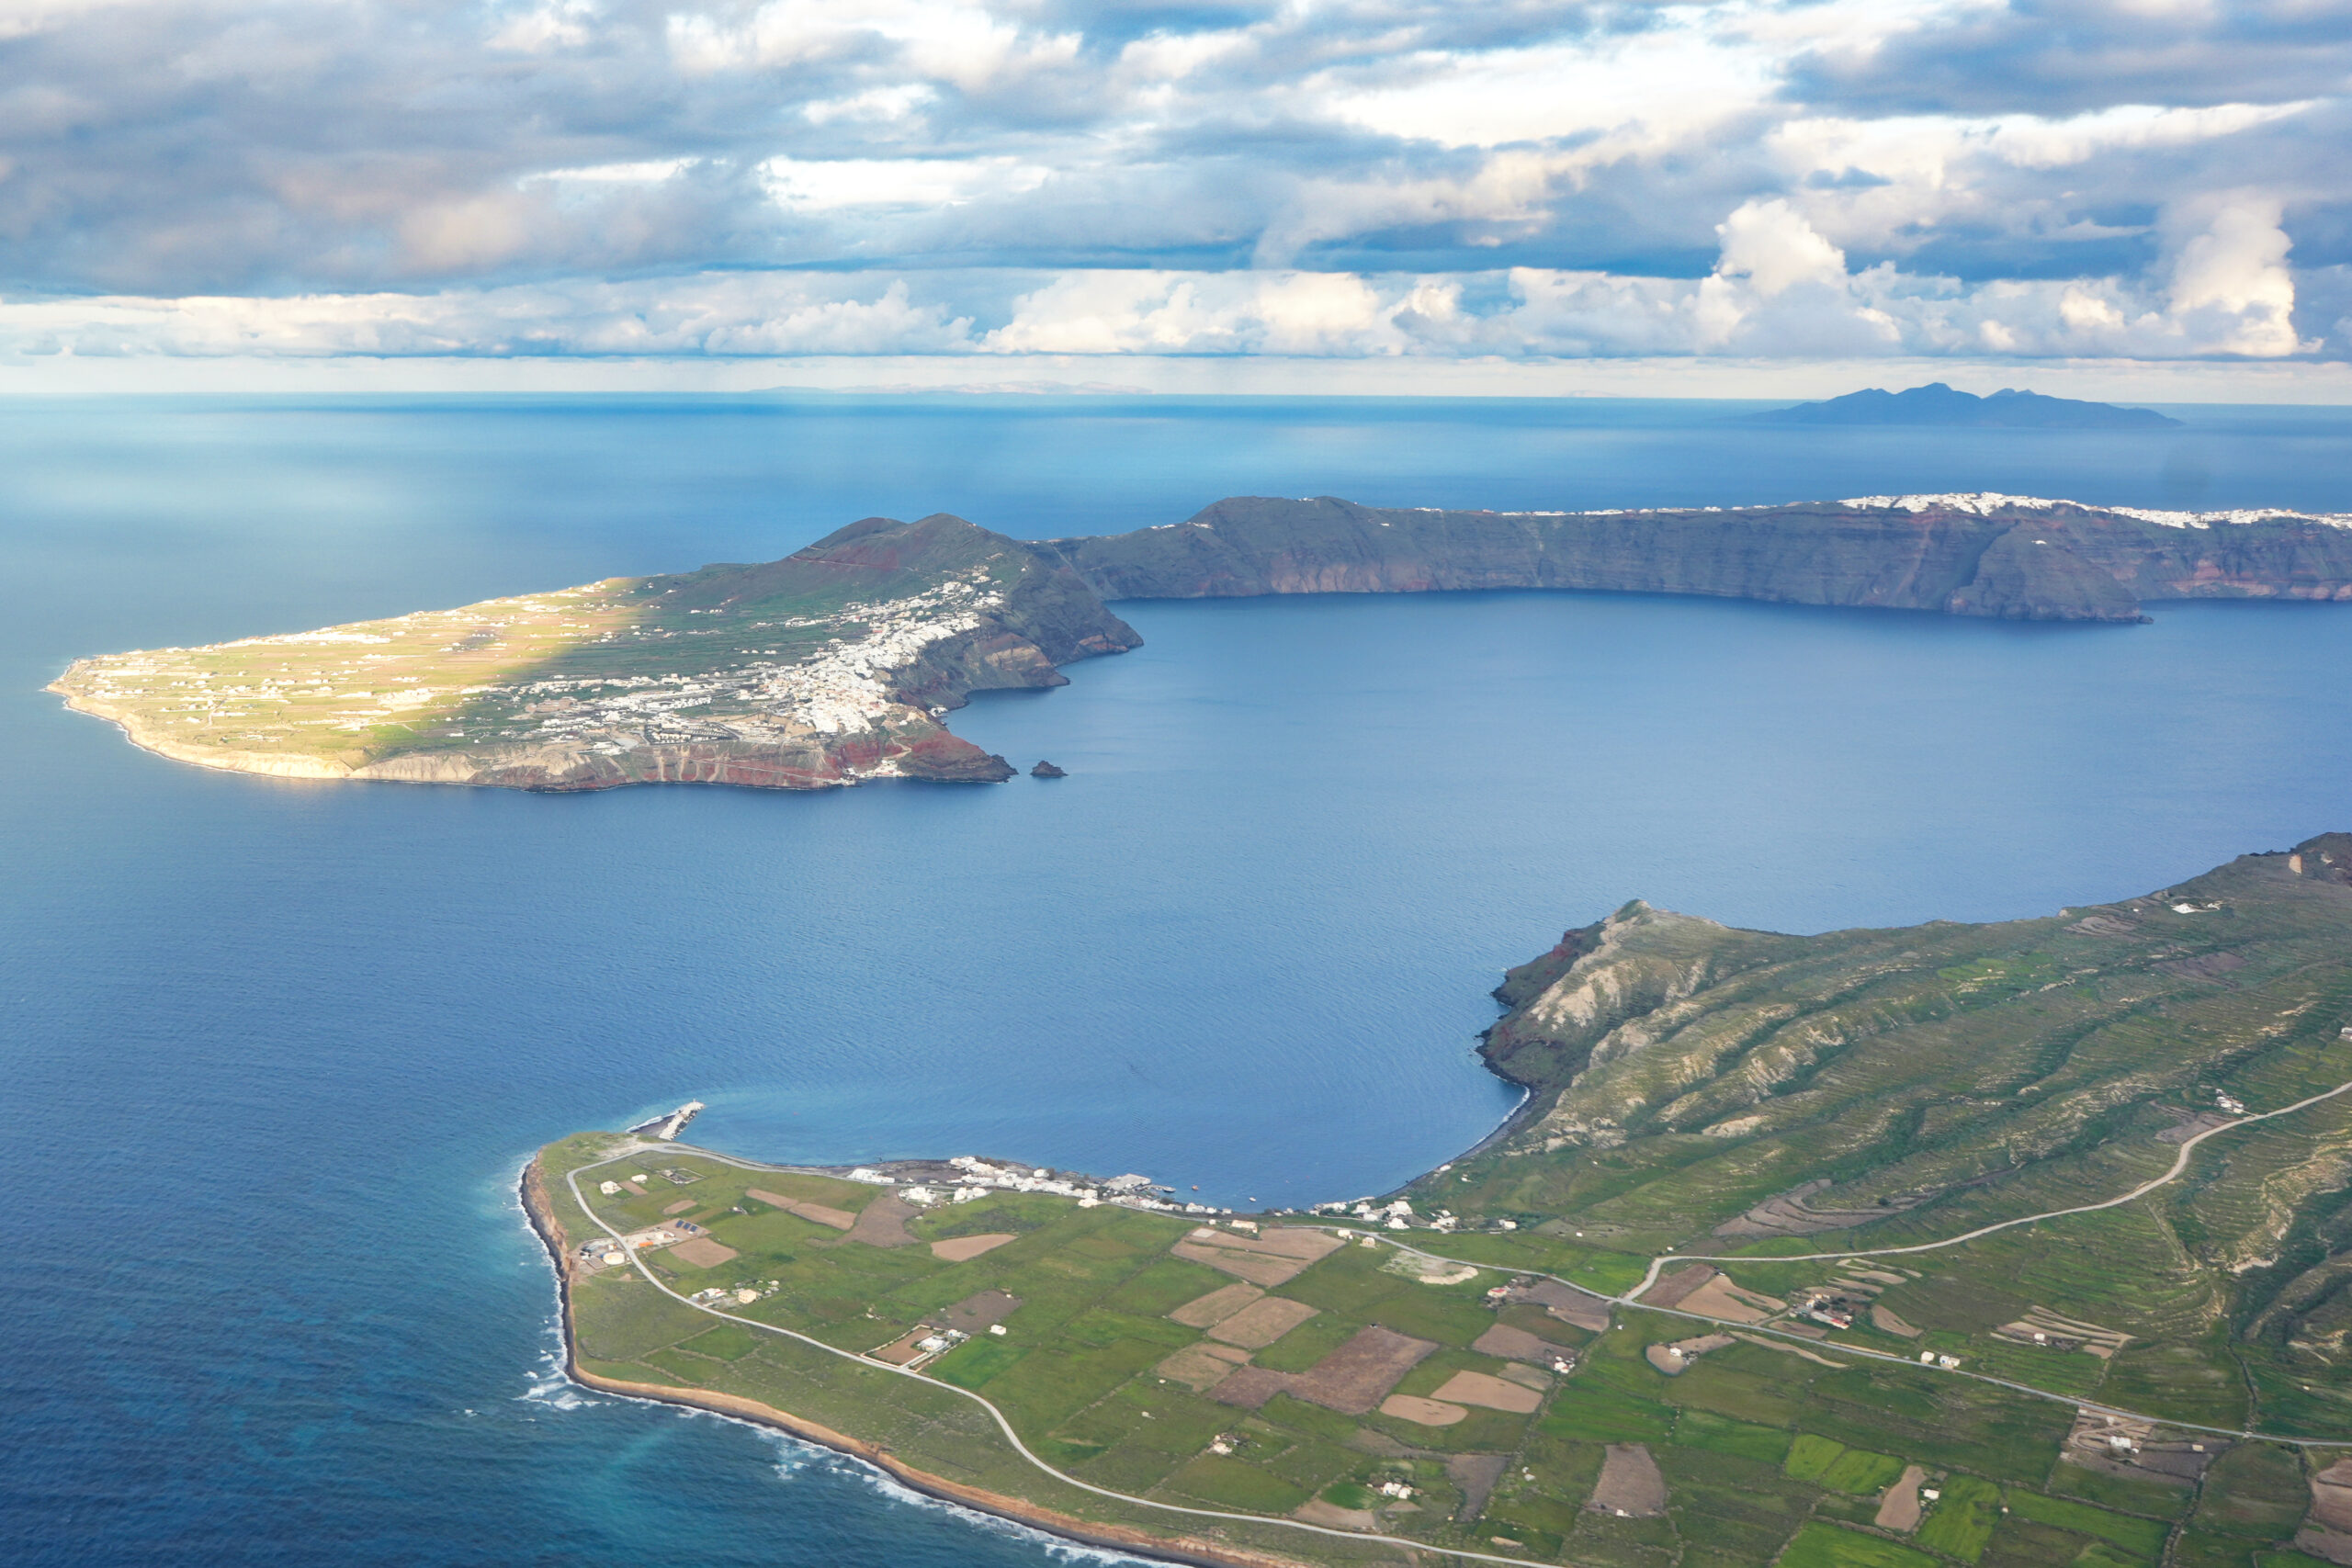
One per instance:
(2004, 557)
(839, 663)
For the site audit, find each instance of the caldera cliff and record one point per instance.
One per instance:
(2008, 558)
(837, 664)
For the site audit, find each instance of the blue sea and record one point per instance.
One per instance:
(274, 1053)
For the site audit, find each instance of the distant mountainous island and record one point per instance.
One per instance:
(839, 662)
(1936, 403)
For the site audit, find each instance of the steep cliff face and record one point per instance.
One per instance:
(1810, 555)
(837, 662)
(2022, 577)
(2006, 558)
(2246, 555)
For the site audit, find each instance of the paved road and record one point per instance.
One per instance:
(572, 1179)
(2180, 1164)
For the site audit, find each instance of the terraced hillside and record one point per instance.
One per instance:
(830, 665)
(1702, 1090)
(1695, 1309)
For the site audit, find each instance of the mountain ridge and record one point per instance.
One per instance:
(1938, 404)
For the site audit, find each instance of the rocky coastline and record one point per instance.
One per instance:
(831, 666)
(839, 663)
(1993, 556)
(926, 753)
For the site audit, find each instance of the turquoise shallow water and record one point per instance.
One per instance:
(275, 1050)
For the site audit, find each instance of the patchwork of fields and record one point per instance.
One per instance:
(1459, 1369)
(1124, 1365)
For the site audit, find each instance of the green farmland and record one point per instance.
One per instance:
(2101, 1389)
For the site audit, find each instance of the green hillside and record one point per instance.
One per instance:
(1744, 1131)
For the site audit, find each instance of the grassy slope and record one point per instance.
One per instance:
(1948, 1077)
(1889, 1063)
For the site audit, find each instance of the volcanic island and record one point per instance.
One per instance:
(2011, 1244)
(840, 662)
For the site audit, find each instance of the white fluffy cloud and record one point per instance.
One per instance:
(1785, 179)
(713, 314)
(2229, 282)
(1777, 289)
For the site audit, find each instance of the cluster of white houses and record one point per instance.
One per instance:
(847, 687)
(1398, 1215)
(976, 1177)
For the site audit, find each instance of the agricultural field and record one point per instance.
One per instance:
(1869, 1091)
(1654, 1322)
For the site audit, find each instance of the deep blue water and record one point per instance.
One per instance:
(274, 1052)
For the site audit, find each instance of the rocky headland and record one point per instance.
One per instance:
(1918, 1201)
(831, 666)
(839, 662)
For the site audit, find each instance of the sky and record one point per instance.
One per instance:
(2143, 198)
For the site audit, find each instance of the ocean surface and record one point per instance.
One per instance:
(274, 1053)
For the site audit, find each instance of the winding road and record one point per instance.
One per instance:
(572, 1179)
(1629, 1299)
(2180, 1164)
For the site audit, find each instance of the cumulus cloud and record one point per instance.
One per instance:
(1360, 177)
(711, 314)
(1772, 248)
(1779, 290)
(2229, 273)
